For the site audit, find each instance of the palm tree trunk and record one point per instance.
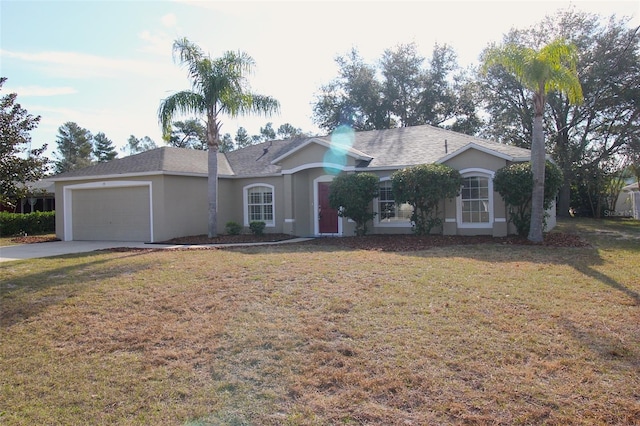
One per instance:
(212, 164)
(537, 167)
(212, 191)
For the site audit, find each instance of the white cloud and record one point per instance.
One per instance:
(158, 43)
(169, 20)
(82, 65)
(43, 91)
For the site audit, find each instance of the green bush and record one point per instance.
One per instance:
(233, 228)
(515, 184)
(423, 187)
(257, 227)
(351, 195)
(12, 224)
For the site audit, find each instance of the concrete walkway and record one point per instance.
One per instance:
(57, 248)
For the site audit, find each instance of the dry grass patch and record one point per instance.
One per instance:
(308, 335)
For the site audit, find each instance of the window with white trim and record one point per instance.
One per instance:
(475, 199)
(388, 210)
(259, 204)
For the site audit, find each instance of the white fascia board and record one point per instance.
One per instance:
(473, 145)
(127, 175)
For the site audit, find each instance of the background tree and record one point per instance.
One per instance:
(242, 138)
(74, 148)
(219, 86)
(103, 149)
(399, 91)
(351, 194)
(19, 164)
(288, 131)
(136, 146)
(188, 134)
(515, 184)
(404, 79)
(551, 68)
(226, 143)
(267, 133)
(424, 187)
(582, 135)
(353, 98)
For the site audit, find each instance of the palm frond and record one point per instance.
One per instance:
(181, 103)
(552, 68)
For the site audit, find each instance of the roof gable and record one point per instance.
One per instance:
(472, 145)
(340, 147)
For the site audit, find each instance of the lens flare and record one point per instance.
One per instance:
(342, 140)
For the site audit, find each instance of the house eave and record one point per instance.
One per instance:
(251, 176)
(127, 175)
(473, 145)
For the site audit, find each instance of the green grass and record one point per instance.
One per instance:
(308, 335)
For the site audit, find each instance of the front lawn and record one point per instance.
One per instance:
(308, 334)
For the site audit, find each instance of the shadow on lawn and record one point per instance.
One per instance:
(582, 259)
(587, 270)
(76, 276)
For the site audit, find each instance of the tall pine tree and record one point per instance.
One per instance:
(74, 148)
(103, 149)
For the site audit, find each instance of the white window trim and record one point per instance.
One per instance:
(376, 208)
(245, 203)
(476, 172)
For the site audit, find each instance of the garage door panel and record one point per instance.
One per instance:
(112, 214)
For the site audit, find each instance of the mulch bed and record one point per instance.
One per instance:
(412, 242)
(228, 239)
(31, 239)
(393, 243)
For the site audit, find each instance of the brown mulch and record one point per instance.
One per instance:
(228, 239)
(31, 239)
(391, 242)
(394, 243)
(413, 242)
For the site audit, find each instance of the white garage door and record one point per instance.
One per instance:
(111, 214)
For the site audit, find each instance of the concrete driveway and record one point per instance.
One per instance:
(56, 248)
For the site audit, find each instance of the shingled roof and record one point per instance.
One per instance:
(392, 148)
(166, 160)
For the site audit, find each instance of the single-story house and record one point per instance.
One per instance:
(628, 202)
(162, 194)
(40, 199)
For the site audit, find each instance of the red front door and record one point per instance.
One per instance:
(327, 217)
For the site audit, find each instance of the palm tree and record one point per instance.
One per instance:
(219, 86)
(552, 68)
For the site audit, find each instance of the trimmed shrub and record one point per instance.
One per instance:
(351, 194)
(515, 184)
(12, 224)
(257, 227)
(424, 187)
(233, 228)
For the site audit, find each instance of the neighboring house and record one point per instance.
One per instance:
(161, 194)
(41, 198)
(628, 203)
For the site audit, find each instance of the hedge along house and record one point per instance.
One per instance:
(162, 194)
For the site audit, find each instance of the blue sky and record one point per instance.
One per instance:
(106, 65)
